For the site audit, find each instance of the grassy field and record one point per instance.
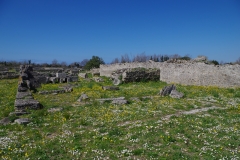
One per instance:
(137, 130)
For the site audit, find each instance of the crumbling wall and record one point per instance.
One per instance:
(140, 74)
(201, 74)
(107, 70)
(189, 73)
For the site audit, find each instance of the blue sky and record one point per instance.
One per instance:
(70, 31)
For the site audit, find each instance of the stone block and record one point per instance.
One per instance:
(22, 104)
(61, 75)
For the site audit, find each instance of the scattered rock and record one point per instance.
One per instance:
(200, 59)
(52, 110)
(102, 100)
(22, 121)
(176, 94)
(98, 79)
(5, 121)
(110, 88)
(68, 89)
(136, 99)
(167, 90)
(171, 90)
(116, 81)
(119, 101)
(83, 97)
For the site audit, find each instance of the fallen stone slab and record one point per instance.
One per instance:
(22, 121)
(119, 101)
(167, 90)
(18, 113)
(52, 110)
(176, 94)
(21, 104)
(23, 95)
(110, 88)
(110, 99)
(136, 99)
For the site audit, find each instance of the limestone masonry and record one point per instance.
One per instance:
(187, 73)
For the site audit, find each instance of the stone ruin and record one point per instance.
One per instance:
(195, 72)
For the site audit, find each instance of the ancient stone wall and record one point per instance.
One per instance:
(136, 75)
(189, 73)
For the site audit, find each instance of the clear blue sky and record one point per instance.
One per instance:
(70, 31)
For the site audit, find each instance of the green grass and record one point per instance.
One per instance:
(136, 130)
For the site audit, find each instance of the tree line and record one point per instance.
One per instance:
(96, 61)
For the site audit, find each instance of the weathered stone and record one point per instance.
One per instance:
(53, 79)
(68, 89)
(110, 88)
(42, 79)
(200, 59)
(83, 97)
(74, 78)
(21, 104)
(23, 95)
(140, 74)
(61, 75)
(136, 99)
(119, 101)
(43, 92)
(189, 73)
(83, 75)
(22, 89)
(18, 113)
(102, 100)
(167, 90)
(116, 81)
(98, 79)
(176, 94)
(171, 90)
(24, 76)
(95, 72)
(5, 121)
(52, 110)
(22, 121)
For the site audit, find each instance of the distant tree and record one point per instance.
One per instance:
(54, 63)
(94, 62)
(125, 59)
(140, 58)
(186, 57)
(116, 60)
(29, 62)
(238, 61)
(175, 56)
(63, 64)
(214, 62)
(165, 58)
(83, 62)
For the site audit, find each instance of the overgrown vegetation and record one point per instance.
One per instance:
(138, 130)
